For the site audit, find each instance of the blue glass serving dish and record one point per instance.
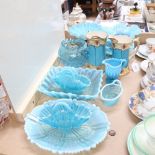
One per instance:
(92, 131)
(89, 90)
(80, 30)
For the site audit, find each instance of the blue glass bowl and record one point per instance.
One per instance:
(73, 52)
(70, 81)
(50, 88)
(80, 30)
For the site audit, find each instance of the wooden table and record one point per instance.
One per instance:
(13, 140)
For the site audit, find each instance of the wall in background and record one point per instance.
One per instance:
(30, 35)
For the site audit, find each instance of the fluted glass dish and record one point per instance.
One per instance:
(61, 140)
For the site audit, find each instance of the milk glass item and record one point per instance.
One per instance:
(121, 46)
(96, 47)
(151, 44)
(113, 68)
(149, 78)
(73, 52)
(76, 16)
(144, 136)
(111, 93)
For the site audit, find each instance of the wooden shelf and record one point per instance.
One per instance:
(92, 6)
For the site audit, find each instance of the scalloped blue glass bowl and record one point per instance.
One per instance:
(73, 52)
(49, 88)
(70, 81)
(63, 114)
(87, 136)
(80, 30)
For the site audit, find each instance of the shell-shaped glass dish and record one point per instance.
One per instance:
(70, 81)
(51, 89)
(80, 30)
(74, 140)
(62, 114)
(73, 52)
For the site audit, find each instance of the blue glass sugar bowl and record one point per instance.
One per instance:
(73, 52)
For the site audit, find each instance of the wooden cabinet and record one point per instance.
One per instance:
(87, 4)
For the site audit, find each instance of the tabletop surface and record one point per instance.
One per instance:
(13, 140)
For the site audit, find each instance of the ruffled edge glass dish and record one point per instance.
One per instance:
(91, 133)
(80, 30)
(89, 93)
(134, 101)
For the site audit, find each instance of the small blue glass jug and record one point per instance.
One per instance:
(113, 68)
(96, 47)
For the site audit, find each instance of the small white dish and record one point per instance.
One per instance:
(141, 56)
(144, 50)
(144, 65)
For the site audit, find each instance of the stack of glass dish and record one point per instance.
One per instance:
(141, 140)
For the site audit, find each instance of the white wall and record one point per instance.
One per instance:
(30, 35)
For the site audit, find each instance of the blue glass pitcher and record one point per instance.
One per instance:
(96, 47)
(113, 68)
(121, 45)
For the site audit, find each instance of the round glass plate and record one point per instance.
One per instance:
(75, 140)
(136, 101)
(142, 141)
(131, 146)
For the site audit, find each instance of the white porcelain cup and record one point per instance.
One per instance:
(151, 44)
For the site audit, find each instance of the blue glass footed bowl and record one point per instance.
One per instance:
(45, 128)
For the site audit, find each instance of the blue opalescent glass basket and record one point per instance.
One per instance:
(111, 93)
(73, 52)
(50, 88)
(91, 131)
(70, 81)
(80, 30)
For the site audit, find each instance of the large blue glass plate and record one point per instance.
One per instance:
(48, 87)
(80, 30)
(87, 136)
